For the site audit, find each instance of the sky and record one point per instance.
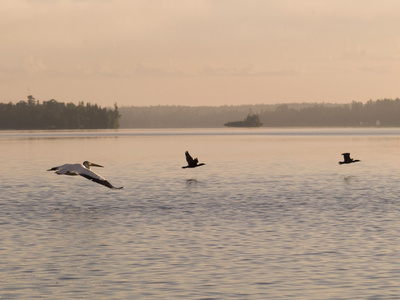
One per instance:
(199, 52)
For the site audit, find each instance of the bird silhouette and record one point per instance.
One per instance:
(347, 159)
(83, 170)
(192, 163)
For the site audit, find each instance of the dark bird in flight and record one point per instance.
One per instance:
(347, 159)
(84, 171)
(192, 163)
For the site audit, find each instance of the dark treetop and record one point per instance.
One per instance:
(56, 115)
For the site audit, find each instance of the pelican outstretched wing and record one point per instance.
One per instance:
(67, 169)
(100, 180)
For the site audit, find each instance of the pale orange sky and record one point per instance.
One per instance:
(210, 52)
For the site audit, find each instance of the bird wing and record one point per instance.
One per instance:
(61, 168)
(89, 174)
(346, 156)
(67, 169)
(189, 159)
(54, 169)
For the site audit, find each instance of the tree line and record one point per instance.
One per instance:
(32, 114)
(384, 112)
(182, 116)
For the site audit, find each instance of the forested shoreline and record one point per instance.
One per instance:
(32, 114)
(384, 112)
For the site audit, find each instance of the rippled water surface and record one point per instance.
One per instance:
(272, 215)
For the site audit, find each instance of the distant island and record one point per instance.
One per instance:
(373, 113)
(250, 121)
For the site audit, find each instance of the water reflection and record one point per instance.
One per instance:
(191, 182)
(348, 178)
(265, 225)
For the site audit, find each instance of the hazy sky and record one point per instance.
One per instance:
(193, 52)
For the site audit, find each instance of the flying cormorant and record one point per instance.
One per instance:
(192, 163)
(347, 159)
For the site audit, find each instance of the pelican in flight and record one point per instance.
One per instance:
(84, 171)
(347, 159)
(192, 163)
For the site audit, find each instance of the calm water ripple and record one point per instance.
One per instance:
(271, 216)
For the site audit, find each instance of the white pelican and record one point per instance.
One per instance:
(83, 170)
(347, 159)
(192, 163)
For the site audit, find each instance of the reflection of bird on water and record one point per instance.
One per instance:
(84, 171)
(192, 163)
(191, 182)
(348, 178)
(347, 159)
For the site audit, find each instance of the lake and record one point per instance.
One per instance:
(272, 215)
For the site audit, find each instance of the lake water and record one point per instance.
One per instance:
(272, 215)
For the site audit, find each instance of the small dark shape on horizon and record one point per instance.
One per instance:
(347, 159)
(192, 163)
(250, 121)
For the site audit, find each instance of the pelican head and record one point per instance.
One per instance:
(89, 164)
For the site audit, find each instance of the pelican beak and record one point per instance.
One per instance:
(95, 165)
